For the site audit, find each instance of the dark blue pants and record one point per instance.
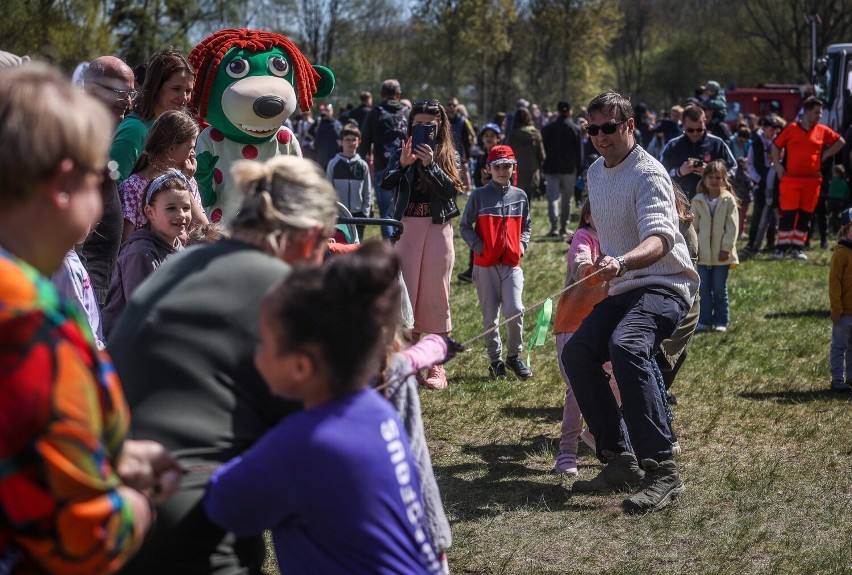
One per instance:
(625, 329)
(384, 199)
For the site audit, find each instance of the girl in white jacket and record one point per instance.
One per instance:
(715, 208)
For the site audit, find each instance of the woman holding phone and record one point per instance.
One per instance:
(424, 174)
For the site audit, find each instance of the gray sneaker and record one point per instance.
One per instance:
(661, 486)
(621, 473)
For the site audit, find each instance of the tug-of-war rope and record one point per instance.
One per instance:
(539, 334)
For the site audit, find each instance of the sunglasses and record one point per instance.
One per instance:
(693, 130)
(607, 129)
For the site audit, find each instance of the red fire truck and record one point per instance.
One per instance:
(782, 99)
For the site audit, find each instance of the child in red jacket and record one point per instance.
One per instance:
(496, 226)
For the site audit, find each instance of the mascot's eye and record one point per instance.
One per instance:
(279, 66)
(239, 68)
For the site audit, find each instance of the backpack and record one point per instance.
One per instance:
(393, 130)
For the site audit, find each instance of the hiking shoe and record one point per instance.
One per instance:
(516, 364)
(566, 463)
(621, 473)
(661, 486)
(436, 378)
(777, 255)
(497, 369)
(799, 255)
(840, 386)
(466, 276)
(589, 439)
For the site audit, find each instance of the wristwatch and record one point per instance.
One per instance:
(622, 266)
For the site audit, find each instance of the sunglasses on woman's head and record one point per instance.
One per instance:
(607, 129)
(431, 106)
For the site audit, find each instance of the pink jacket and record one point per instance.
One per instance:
(576, 303)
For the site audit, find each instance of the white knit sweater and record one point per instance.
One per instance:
(631, 202)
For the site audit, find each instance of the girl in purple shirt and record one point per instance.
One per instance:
(336, 483)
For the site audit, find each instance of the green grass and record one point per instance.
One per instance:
(767, 455)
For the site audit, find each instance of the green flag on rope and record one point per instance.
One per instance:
(542, 326)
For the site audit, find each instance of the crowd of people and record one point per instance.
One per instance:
(176, 402)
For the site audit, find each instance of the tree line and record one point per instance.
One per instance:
(488, 53)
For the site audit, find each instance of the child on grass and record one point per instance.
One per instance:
(170, 145)
(496, 226)
(168, 211)
(574, 305)
(336, 483)
(73, 284)
(350, 176)
(840, 298)
(716, 220)
(489, 136)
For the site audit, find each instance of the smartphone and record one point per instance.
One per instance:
(423, 134)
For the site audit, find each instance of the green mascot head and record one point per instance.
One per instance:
(249, 81)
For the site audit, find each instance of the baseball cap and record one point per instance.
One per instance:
(846, 217)
(501, 155)
(563, 105)
(521, 103)
(490, 126)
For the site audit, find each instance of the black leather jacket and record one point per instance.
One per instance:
(442, 190)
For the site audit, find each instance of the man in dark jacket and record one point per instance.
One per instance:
(378, 140)
(360, 113)
(326, 133)
(111, 81)
(563, 160)
(685, 156)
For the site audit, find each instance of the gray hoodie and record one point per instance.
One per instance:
(351, 180)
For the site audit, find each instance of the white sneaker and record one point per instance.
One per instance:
(799, 255)
(721, 328)
(777, 255)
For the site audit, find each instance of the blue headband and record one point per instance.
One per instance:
(158, 182)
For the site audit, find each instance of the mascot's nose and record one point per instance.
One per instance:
(268, 106)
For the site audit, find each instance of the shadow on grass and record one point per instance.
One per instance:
(793, 397)
(547, 414)
(507, 482)
(805, 313)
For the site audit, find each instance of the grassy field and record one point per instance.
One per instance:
(767, 456)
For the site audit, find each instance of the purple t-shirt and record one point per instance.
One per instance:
(337, 486)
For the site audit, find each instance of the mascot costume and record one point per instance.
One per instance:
(247, 83)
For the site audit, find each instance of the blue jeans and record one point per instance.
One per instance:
(384, 199)
(625, 329)
(841, 349)
(714, 295)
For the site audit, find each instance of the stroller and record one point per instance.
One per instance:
(345, 232)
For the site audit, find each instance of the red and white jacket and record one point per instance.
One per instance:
(496, 225)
